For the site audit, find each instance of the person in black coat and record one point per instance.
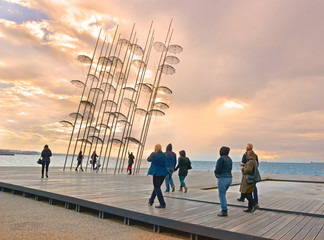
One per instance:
(130, 162)
(94, 159)
(46, 154)
(80, 158)
(183, 165)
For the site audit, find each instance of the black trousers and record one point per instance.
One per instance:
(250, 199)
(79, 164)
(43, 166)
(157, 182)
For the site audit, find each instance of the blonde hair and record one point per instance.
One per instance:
(158, 147)
(249, 146)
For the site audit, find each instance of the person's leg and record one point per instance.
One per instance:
(251, 204)
(47, 164)
(222, 192)
(167, 182)
(157, 187)
(255, 195)
(182, 184)
(153, 195)
(241, 198)
(76, 169)
(171, 180)
(43, 165)
(185, 186)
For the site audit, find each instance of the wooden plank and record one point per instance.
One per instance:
(292, 232)
(315, 230)
(278, 227)
(306, 229)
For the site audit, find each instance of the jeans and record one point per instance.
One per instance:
(157, 182)
(182, 183)
(43, 165)
(79, 164)
(223, 185)
(255, 195)
(169, 180)
(250, 199)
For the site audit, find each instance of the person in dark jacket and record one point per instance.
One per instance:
(246, 189)
(183, 165)
(223, 173)
(46, 154)
(171, 163)
(249, 146)
(158, 170)
(130, 162)
(80, 158)
(94, 160)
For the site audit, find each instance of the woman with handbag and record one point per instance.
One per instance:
(247, 188)
(183, 165)
(46, 154)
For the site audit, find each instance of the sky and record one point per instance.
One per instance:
(251, 71)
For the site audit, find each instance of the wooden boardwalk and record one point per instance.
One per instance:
(289, 209)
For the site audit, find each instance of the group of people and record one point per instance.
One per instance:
(223, 173)
(162, 167)
(164, 164)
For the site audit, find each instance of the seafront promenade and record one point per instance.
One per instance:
(292, 206)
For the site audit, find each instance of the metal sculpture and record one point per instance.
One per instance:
(115, 93)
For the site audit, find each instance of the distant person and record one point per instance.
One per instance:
(130, 162)
(171, 163)
(249, 146)
(247, 189)
(158, 170)
(223, 173)
(94, 159)
(98, 165)
(183, 165)
(80, 158)
(46, 159)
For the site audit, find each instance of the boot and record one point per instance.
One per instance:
(173, 188)
(180, 189)
(223, 213)
(186, 189)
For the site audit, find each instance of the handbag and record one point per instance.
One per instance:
(189, 165)
(254, 177)
(39, 161)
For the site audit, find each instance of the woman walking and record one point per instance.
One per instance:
(46, 154)
(223, 173)
(94, 159)
(80, 158)
(158, 170)
(247, 189)
(183, 165)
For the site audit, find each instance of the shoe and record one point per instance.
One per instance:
(42, 176)
(150, 204)
(240, 200)
(82, 170)
(223, 213)
(46, 176)
(173, 188)
(180, 189)
(159, 206)
(76, 170)
(186, 189)
(257, 206)
(247, 210)
(253, 209)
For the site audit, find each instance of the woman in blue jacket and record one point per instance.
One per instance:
(158, 170)
(223, 173)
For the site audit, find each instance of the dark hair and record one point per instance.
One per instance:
(46, 146)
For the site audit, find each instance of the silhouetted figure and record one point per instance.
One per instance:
(80, 158)
(46, 154)
(130, 162)
(94, 159)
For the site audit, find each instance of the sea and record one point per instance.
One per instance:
(57, 160)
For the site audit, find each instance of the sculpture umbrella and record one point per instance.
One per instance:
(175, 49)
(158, 46)
(167, 69)
(84, 59)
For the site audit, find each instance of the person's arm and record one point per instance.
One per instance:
(248, 168)
(177, 167)
(150, 158)
(219, 166)
(50, 153)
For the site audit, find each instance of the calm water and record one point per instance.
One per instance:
(316, 169)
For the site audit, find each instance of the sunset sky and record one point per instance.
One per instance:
(251, 71)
